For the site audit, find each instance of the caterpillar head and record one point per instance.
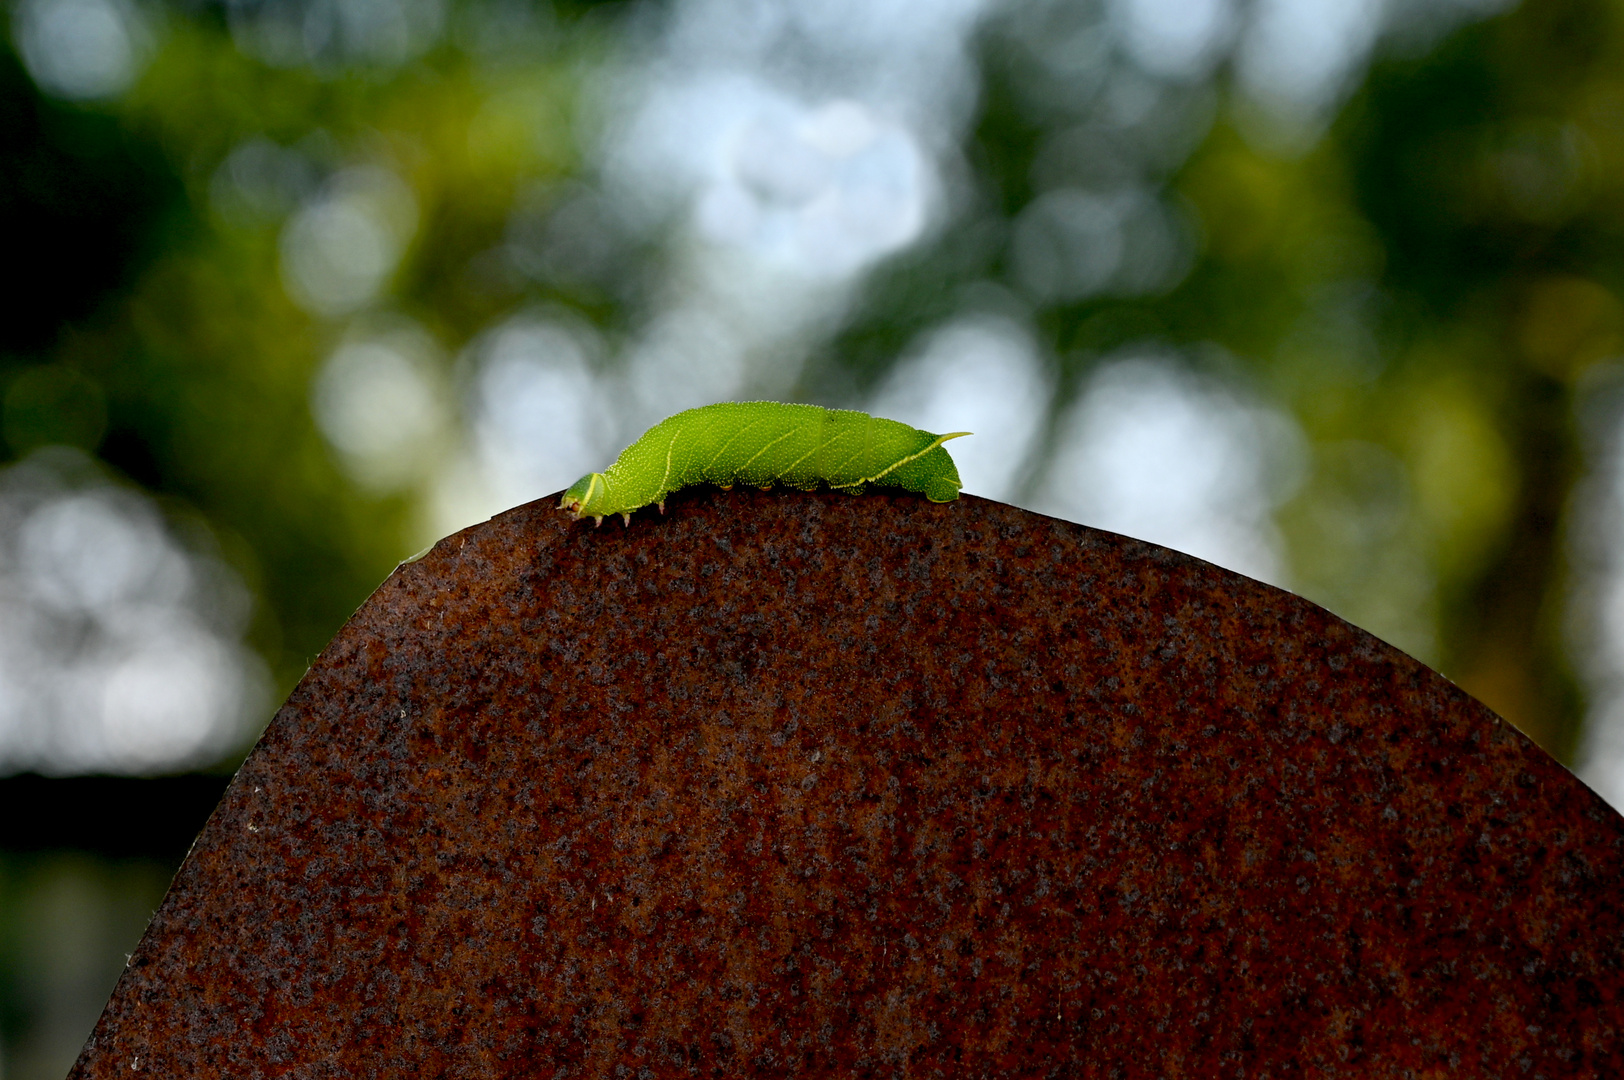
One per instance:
(582, 498)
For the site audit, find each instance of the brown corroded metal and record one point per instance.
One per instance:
(828, 786)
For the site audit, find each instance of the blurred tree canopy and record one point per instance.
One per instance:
(151, 324)
(1426, 284)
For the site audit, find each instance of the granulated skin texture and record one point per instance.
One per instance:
(829, 786)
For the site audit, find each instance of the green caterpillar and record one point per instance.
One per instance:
(762, 443)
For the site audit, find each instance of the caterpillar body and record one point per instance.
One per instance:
(763, 443)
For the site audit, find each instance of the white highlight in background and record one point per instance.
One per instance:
(380, 401)
(818, 189)
(120, 650)
(1597, 600)
(1180, 39)
(82, 49)
(1298, 54)
(542, 418)
(981, 375)
(340, 248)
(1157, 452)
(687, 357)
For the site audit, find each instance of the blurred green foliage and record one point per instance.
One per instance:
(158, 332)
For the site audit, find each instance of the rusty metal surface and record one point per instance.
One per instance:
(815, 785)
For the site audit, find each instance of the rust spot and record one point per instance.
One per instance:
(830, 786)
